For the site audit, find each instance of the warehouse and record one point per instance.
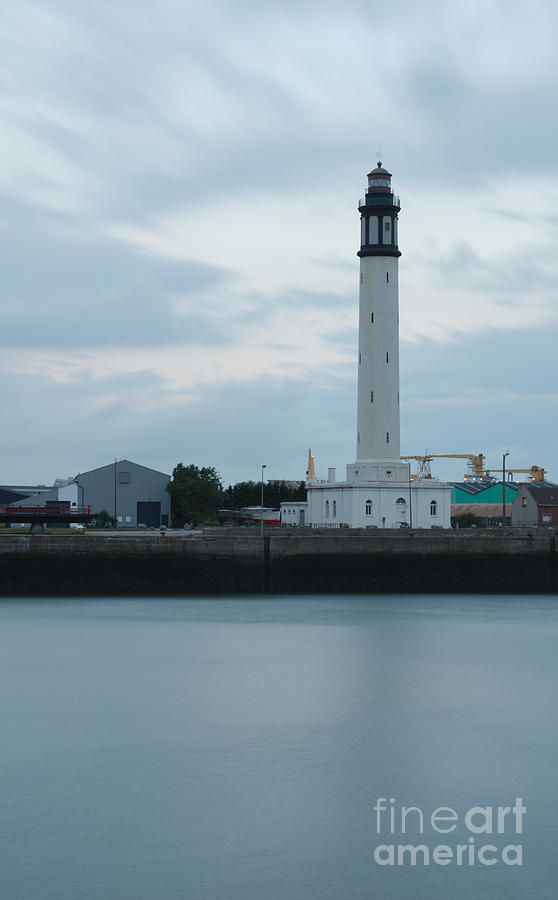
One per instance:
(133, 494)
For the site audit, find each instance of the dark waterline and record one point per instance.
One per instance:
(224, 748)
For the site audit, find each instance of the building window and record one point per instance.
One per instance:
(368, 508)
(363, 230)
(433, 507)
(387, 437)
(334, 508)
(387, 224)
(327, 509)
(373, 230)
(358, 440)
(387, 357)
(371, 396)
(372, 317)
(361, 278)
(547, 518)
(387, 277)
(124, 478)
(359, 358)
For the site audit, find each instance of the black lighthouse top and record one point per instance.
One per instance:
(379, 179)
(379, 209)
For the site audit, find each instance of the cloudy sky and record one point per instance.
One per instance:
(179, 185)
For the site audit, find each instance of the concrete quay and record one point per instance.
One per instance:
(286, 561)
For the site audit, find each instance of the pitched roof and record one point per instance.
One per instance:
(480, 509)
(120, 462)
(472, 487)
(544, 494)
(9, 496)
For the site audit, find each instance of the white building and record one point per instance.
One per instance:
(378, 490)
(294, 512)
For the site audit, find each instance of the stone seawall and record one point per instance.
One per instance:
(282, 562)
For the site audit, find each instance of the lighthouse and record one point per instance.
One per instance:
(378, 429)
(378, 331)
(378, 491)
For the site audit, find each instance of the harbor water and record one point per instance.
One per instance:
(257, 748)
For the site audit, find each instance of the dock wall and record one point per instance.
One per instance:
(283, 561)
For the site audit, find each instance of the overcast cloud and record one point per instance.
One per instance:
(178, 228)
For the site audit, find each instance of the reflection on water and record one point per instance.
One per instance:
(230, 748)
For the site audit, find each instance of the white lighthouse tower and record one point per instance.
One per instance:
(378, 491)
(378, 345)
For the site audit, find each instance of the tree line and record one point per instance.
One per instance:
(197, 493)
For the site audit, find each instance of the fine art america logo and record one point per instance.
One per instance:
(500, 822)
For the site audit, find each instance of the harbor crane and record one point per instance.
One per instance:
(476, 466)
(537, 473)
(476, 462)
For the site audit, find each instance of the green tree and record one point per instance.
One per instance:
(196, 494)
(249, 493)
(103, 519)
(243, 493)
(466, 520)
(277, 491)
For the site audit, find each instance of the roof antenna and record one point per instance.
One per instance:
(379, 154)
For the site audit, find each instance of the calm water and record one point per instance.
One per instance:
(230, 749)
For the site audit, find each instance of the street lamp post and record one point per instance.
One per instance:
(262, 500)
(410, 499)
(504, 491)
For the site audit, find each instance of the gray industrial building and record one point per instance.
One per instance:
(9, 496)
(134, 494)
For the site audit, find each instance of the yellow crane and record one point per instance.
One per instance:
(476, 466)
(476, 462)
(537, 473)
(423, 466)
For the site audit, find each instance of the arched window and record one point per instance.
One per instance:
(334, 508)
(368, 508)
(433, 507)
(327, 509)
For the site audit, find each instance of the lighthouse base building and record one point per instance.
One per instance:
(378, 490)
(378, 494)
